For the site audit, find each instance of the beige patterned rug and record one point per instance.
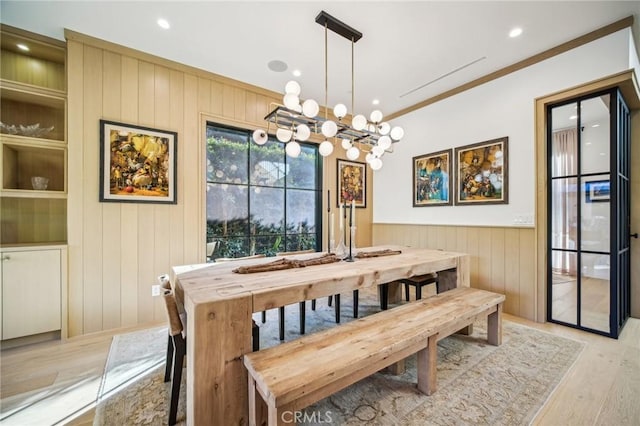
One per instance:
(478, 384)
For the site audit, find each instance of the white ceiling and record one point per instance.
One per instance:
(405, 44)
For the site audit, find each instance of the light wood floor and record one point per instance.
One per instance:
(602, 388)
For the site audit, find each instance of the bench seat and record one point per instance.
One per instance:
(298, 373)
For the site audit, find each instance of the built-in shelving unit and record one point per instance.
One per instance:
(32, 139)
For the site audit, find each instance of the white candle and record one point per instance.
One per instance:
(353, 212)
(341, 218)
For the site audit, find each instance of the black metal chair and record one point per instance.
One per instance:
(418, 282)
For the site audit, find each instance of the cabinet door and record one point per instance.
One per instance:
(31, 292)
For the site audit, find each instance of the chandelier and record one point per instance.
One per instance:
(296, 120)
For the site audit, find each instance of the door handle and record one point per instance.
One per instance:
(634, 235)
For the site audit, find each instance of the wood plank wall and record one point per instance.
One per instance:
(116, 250)
(502, 258)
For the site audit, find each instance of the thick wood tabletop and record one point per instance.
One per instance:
(217, 282)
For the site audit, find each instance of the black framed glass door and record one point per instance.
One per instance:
(588, 219)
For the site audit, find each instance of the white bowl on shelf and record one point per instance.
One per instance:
(39, 182)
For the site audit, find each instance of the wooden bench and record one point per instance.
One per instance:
(294, 375)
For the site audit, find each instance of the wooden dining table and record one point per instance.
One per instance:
(219, 304)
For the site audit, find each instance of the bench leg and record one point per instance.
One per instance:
(252, 402)
(467, 331)
(427, 371)
(494, 327)
(273, 416)
(397, 368)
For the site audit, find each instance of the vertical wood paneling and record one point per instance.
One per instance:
(111, 291)
(176, 213)
(129, 211)
(239, 103)
(146, 219)
(75, 93)
(497, 260)
(204, 94)
(228, 99)
(216, 98)
(92, 211)
(250, 111)
(501, 258)
(191, 157)
(162, 231)
(512, 270)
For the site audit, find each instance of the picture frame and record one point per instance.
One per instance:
(482, 173)
(137, 164)
(597, 191)
(352, 183)
(432, 179)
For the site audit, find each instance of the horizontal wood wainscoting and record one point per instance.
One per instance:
(502, 259)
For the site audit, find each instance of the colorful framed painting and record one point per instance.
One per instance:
(137, 164)
(482, 173)
(352, 183)
(597, 191)
(432, 179)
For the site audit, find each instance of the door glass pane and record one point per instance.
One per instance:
(564, 141)
(564, 214)
(594, 300)
(594, 152)
(564, 288)
(595, 211)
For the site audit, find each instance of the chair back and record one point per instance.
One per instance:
(290, 253)
(232, 259)
(175, 322)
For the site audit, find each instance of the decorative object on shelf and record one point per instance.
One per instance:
(352, 183)
(597, 191)
(31, 130)
(482, 173)
(137, 164)
(39, 183)
(432, 179)
(295, 120)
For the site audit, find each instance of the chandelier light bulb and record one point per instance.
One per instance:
(310, 108)
(384, 128)
(384, 142)
(369, 157)
(353, 153)
(284, 135)
(359, 122)
(303, 132)
(346, 144)
(377, 151)
(291, 101)
(292, 87)
(397, 133)
(325, 149)
(329, 129)
(260, 136)
(340, 111)
(293, 149)
(376, 116)
(376, 164)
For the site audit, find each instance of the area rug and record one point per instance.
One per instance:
(478, 384)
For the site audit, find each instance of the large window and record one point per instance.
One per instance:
(259, 200)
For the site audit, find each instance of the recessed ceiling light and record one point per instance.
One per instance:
(163, 23)
(573, 117)
(376, 102)
(595, 125)
(602, 153)
(296, 73)
(515, 32)
(23, 47)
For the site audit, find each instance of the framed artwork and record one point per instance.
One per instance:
(352, 183)
(482, 173)
(137, 164)
(597, 191)
(432, 179)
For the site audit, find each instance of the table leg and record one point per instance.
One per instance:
(494, 327)
(217, 381)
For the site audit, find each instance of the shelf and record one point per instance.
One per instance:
(32, 114)
(21, 162)
(33, 220)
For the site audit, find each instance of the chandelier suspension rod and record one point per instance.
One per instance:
(326, 72)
